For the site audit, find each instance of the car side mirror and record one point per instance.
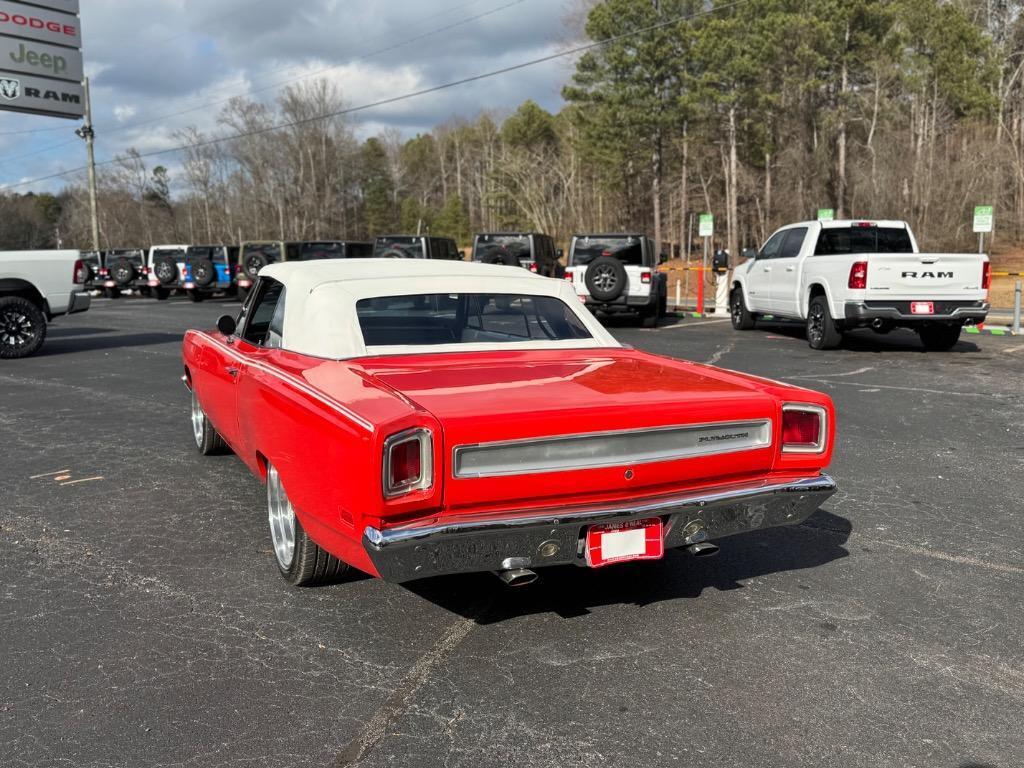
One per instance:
(226, 325)
(559, 253)
(750, 253)
(663, 258)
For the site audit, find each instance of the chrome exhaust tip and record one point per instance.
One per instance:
(516, 577)
(703, 549)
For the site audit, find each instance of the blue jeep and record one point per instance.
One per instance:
(210, 270)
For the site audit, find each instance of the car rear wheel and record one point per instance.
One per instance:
(301, 561)
(208, 440)
(196, 296)
(22, 327)
(939, 338)
(742, 320)
(822, 332)
(112, 293)
(161, 294)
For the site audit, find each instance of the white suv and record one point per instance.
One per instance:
(618, 273)
(164, 271)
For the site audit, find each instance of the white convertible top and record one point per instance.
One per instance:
(320, 302)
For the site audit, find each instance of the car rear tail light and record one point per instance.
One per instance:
(408, 462)
(986, 275)
(79, 273)
(803, 428)
(532, 266)
(568, 275)
(645, 277)
(858, 276)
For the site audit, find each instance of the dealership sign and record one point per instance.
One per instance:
(40, 58)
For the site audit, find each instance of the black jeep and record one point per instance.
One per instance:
(532, 251)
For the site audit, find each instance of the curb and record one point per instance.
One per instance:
(993, 331)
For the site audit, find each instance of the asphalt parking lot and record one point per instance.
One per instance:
(143, 622)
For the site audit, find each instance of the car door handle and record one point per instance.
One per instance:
(790, 269)
(767, 269)
(231, 371)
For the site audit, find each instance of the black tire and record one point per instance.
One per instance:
(145, 290)
(208, 440)
(497, 257)
(253, 263)
(394, 253)
(307, 564)
(196, 296)
(22, 328)
(822, 332)
(939, 338)
(160, 294)
(112, 293)
(649, 318)
(203, 272)
(663, 304)
(123, 273)
(606, 278)
(165, 270)
(742, 320)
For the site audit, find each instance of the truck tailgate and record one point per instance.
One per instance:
(911, 276)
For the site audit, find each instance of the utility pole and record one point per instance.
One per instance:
(86, 132)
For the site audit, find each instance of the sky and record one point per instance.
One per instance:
(158, 66)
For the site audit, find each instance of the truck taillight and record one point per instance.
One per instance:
(408, 462)
(79, 273)
(645, 277)
(986, 275)
(568, 275)
(532, 266)
(804, 428)
(858, 276)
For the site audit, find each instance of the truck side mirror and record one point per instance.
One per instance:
(226, 325)
(559, 253)
(750, 253)
(663, 258)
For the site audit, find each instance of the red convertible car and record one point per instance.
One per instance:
(415, 418)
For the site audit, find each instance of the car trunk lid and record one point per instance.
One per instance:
(542, 427)
(909, 276)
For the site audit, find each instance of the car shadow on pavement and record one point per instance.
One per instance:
(61, 346)
(865, 340)
(61, 333)
(570, 591)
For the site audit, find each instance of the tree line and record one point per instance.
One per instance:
(761, 112)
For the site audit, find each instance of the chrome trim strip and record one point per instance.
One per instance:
(682, 453)
(819, 445)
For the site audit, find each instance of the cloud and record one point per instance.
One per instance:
(162, 65)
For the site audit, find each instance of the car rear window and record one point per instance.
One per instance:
(407, 247)
(628, 250)
(517, 246)
(836, 241)
(360, 250)
(466, 318)
(174, 253)
(200, 252)
(270, 250)
(323, 250)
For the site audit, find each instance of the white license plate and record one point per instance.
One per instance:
(922, 308)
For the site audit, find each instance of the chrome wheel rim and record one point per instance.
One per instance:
(282, 520)
(163, 271)
(737, 311)
(16, 329)
(604, 279)
(816, 324)
(197, 420)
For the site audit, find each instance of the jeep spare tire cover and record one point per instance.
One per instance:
(203, 272)
(606, 278)
(165, 269)
(122, 272)
(254, 262)
(498, 257)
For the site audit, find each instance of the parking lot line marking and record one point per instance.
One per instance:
(49, 474)
(677, 326)
(951, 558)
(903, 389)
(1012, 350)
(833, 375)
(83, 480)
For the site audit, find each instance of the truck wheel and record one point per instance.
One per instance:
(208, 441)
(742, 320)
(161, 294)
(299, 559)
(112, 293)
(196, 296)
(22, 327)
(821, 328)
(649, 318)
(939, 338)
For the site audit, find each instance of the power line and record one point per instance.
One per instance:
(405, 96)
(361, 57)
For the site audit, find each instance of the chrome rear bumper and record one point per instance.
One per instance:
(532, 538)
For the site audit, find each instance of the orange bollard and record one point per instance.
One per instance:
(700, 290)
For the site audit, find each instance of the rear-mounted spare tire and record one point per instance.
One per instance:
(203, 272)
(165, 270)
(504, 259)
(606, 278)
(253, 263)
(123, 272)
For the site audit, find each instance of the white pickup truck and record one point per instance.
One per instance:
(840, 275)
(35, 287)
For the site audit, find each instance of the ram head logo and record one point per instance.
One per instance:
(10, 88)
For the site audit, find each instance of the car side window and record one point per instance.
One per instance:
(794, 240)
(262, 311)
(774, 244)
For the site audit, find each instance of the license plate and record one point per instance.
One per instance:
(611, 543)
(922, 308)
